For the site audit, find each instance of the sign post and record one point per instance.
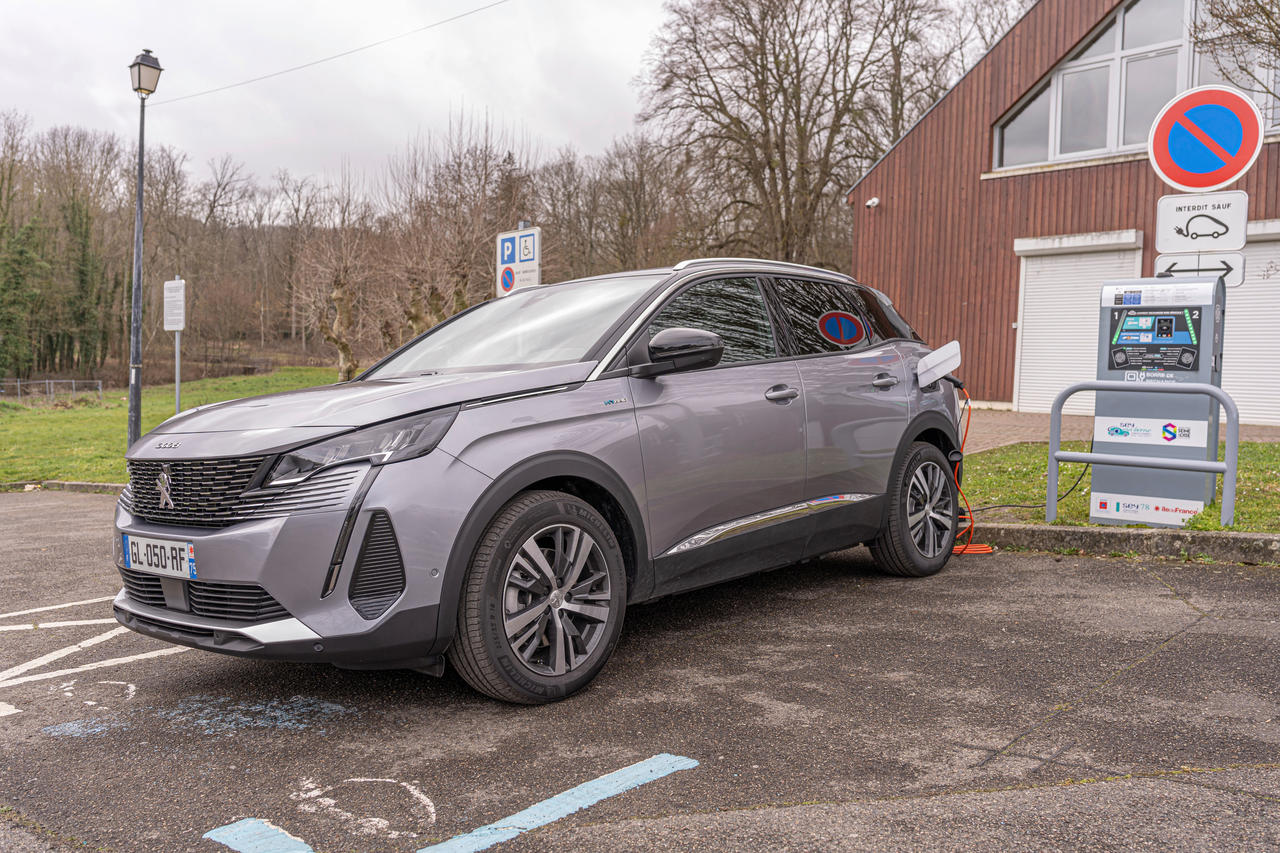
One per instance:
(175, 320)
(519, 260)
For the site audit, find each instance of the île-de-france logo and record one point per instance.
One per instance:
(1169, 432)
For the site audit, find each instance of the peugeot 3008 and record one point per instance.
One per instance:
(497, 492)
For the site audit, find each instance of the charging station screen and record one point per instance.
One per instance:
(1155, 339)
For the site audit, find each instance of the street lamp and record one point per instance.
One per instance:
(145, 74)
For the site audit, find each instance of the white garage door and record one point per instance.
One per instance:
(1251, 347)
(1058, 332)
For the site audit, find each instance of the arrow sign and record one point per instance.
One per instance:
(1229, 265)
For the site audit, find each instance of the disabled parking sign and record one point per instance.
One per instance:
(1205, 138)
(519, 260)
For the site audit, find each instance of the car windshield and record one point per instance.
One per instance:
(533, 327)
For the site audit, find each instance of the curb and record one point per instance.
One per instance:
(64, 486)
(1221, 546)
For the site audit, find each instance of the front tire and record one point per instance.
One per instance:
(543, 601)
(921, 529)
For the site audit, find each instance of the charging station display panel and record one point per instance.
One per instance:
(1155, 338)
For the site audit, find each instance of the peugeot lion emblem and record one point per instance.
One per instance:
(165, 483)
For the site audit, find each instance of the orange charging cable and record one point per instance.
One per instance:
(969, 546)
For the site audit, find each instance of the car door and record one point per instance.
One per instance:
(856, 406)
(723, 447)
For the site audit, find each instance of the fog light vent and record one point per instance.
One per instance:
(379, 576)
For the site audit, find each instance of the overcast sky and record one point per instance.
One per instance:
(559, 71)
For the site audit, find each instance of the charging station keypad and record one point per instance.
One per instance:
(1155, 339)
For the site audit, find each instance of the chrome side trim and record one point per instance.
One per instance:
(764, 519)
(475, 404)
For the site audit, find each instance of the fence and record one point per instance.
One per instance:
(30, 391)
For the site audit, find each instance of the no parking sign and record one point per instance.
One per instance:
(1205, 138)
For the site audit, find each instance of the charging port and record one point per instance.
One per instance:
(1164, 327)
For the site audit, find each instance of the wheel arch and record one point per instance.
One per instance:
(578, 474)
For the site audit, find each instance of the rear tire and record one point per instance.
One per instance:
(922, 519)
(543, 601)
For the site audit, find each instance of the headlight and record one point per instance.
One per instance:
(386, 442)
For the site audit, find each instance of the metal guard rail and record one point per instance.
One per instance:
(1227, 467)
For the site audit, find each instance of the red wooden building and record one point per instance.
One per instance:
(997, 217)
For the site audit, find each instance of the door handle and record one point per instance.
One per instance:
(885, 380)
(781, 393)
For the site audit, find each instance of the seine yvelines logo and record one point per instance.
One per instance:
(1173, 432)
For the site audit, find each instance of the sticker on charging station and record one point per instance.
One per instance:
(1177, 432)
(841, 328)
(1128, 509)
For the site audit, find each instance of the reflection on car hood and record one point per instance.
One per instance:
(316, 412)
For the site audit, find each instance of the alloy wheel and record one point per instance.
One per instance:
(930, 509)
(556, 599)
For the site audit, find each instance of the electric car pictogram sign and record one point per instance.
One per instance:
(841, 327)
(1205, 138)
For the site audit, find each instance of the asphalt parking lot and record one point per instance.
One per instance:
(1018, 700)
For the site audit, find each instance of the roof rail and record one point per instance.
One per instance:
(689, 262)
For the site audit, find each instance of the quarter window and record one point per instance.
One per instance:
(823, 317)
(732, 308)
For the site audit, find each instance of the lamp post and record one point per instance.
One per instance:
(145, 74)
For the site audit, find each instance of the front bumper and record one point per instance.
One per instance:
(426, 500)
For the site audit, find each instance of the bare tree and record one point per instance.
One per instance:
(766, 91)
(1243, 39)
(337, 264)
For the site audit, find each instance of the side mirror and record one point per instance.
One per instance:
(678, 349)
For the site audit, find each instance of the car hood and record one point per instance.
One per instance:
(275, 421)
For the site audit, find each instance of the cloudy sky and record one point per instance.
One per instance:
(558, 71)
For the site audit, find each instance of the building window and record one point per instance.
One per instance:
(1102, 99)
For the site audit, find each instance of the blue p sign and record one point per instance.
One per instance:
(507, 250)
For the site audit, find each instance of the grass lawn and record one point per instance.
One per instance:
(86, 441)
(1016, 475)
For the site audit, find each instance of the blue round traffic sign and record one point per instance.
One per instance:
(508, 279)
(841, 327)
(1205, 138)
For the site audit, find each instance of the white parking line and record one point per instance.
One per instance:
(57, 606)
(65, 624)
(41, 676)
(58, 654)
(7, 709)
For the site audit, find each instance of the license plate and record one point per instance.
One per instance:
(167, 557)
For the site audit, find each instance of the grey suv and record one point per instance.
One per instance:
(499, 490)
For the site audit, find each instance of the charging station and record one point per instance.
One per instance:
(1157, 330)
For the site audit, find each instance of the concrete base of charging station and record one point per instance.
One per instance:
(1220, 546)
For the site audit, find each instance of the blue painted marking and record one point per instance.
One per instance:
(565, 804)
(257, 836)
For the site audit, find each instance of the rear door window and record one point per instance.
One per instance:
(733, 308)
(824, 317)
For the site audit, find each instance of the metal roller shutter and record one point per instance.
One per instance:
(1058, 328)
(1251, 342)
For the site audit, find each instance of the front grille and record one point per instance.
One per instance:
(215, 492)
(243, 602)
(143, 588)
(379, 576)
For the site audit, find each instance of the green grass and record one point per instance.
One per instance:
(85, 441)
(1016, 475)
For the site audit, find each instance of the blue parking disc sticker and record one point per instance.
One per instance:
(841, 328)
